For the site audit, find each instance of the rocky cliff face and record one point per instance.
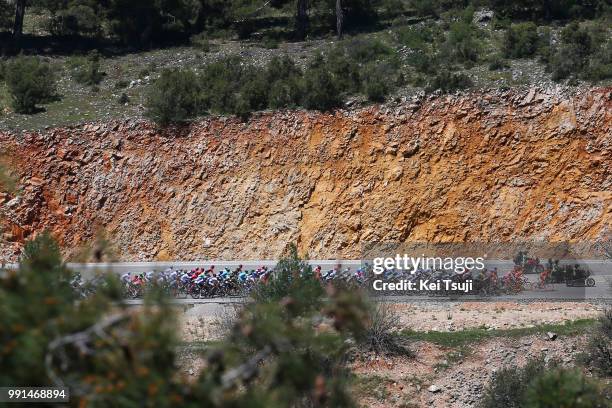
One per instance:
(499, 166)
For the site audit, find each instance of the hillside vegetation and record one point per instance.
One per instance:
(178, 60)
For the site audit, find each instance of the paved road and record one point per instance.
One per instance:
(601, 292)
(597, 267)
(600, 269)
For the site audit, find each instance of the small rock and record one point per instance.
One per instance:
(434, 389)
(551, 336)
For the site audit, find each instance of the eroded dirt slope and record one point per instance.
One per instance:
(496, 166)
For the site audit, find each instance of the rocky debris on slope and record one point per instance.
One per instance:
(462, 383)
(499, 165)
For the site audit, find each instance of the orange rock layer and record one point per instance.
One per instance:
(498, 166)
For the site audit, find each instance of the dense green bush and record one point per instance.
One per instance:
(367, 50)
(462, 43)
(226, 89)
(75, 17)
(370, 67)
(124, 99)
(551, 9)
(448, 81)
(6, 15)
(87, 70)
(600, 64)
(233, 86)
(425, 8)
(321, 91)
(563, 388)
(508, 388)
(598, 353)
(497, 62)
(571, 56)
(418, 37)
(174, 97)
(141, 23)
(377, 81)
(285, 81)
(30, 82)
(521, 40)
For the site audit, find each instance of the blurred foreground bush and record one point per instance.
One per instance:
(286, 349)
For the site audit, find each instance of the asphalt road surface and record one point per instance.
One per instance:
(601, 271)
(597, 267)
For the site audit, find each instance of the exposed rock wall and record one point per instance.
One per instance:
(499, 166)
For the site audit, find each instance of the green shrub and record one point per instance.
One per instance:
(508, 387)
(30, 82)
(87, 70)
(123, 99)
(270, 43)
(521, 40)
(462, 44)
(121, 84)
(496, 63)
(551, 9)
(421, 61)
(284, 79)
(377, 81)
(448, 81)
(76, 19)
(598, 353)
(226, 90)
(571, 56)
(600, 64)
(345, 70)
(6, 15)
(290, 272)
(416, 37)
(284, 94)
(563, 388)
(370, 67)
(254, 91)
(425, 8)
(174, 97)
(321, 91)
(367, 50)
(380, 336)
(201, 41)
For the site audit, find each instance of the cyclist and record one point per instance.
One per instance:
(238, 270)
(317, 273)
(544, 277)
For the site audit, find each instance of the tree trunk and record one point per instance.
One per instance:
(20, 6)
(547, 7)
(301, 19)
(339, 18)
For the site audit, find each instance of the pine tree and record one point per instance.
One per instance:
(287, 348)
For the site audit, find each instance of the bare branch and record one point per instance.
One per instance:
(81, 341)
(245, 370)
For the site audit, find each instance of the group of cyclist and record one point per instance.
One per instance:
(211, 282)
